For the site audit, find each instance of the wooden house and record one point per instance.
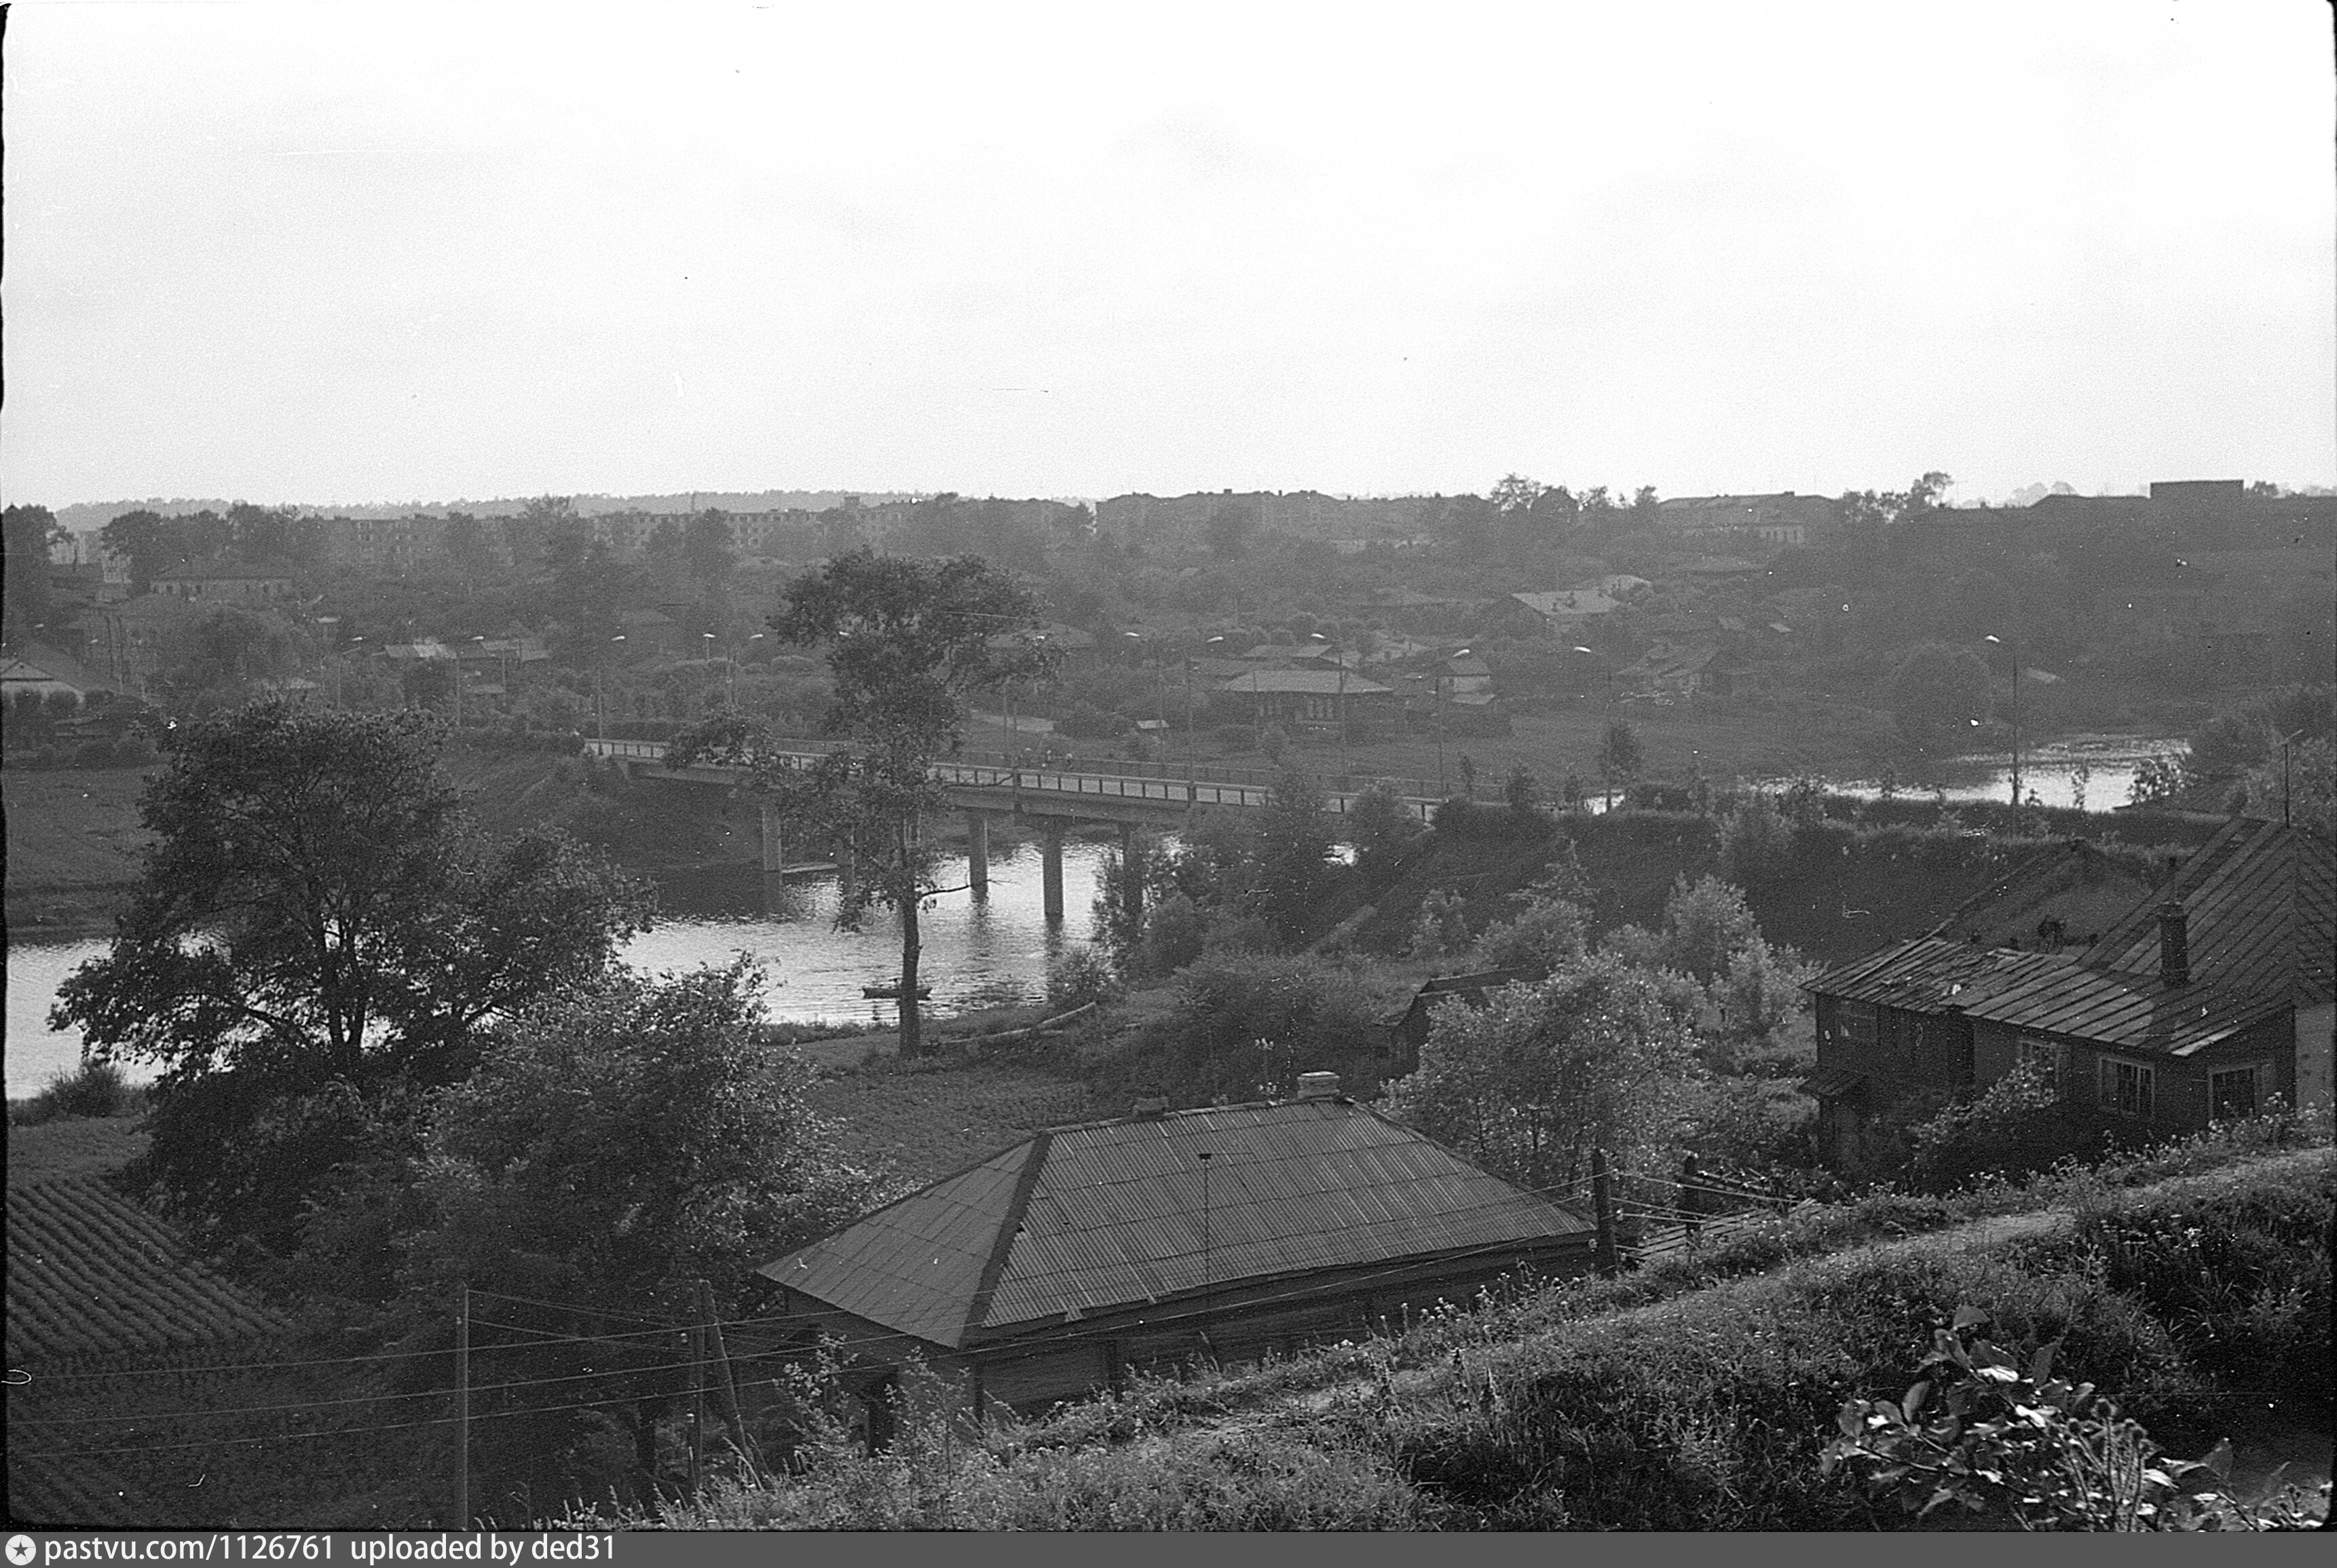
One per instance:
(1047, 1271)
(2201, 1000)
(1310, 699)
(1408, 1029)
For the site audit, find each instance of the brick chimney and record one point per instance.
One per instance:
(1319, 1086)
(1151, 1107)
(2174, 944)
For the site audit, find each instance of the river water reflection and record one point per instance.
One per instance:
(976, 954)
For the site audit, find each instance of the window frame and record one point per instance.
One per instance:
(2257, 1073)
(2053, 1054)
(2145, 1081)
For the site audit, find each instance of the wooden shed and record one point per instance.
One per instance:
(1046, 1271)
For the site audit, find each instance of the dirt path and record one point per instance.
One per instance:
(1978, 1235)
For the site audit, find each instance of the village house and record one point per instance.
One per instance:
(1782, 518)
(1047, 1271)
(223, 581)
(1311, 699)
(2201, 1000)
(1561, 612)
(1407, 1031)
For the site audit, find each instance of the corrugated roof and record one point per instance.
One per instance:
(2058, 993)
(1923, 975)
(2052, 992)
(1310, 682)
(1112, 1214)
(2260, 902)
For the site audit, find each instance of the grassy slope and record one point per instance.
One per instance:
(73, 842)
(1650, 1402)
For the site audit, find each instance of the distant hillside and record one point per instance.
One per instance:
(84, 515)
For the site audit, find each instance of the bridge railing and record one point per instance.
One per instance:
(1104, 778)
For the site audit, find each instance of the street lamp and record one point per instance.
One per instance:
(2001, 642)
(599, 695)
(1339, 708)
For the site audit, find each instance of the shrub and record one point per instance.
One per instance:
(1080, 976)
(2017, 1127)
(96, 1089)
(2020, 1447)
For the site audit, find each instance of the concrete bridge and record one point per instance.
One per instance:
(1053, 795)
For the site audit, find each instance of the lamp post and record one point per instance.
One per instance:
(1339, 708)
(733, 699)
(2015, 648)
(600, 693)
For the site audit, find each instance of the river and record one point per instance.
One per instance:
(976, 954)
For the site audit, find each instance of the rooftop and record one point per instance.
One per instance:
(1108, 1214)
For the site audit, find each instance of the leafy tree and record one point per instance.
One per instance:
(1382, 825)
(1292, 850)
(708, 551)
(231, 646)
(907, 641)
(316, 933)
(153, 543)
(1529, 1084)
(1516, 494)
(467, 546)
(1521, 791)
(1619, 756)
(1545, 935)
(275, 535)
(1244, 1026)
(613, 1149)
(1937, 694)
(29, 532)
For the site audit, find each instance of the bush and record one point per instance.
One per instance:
(96, 1089)
(2017, 1127)
(1080, 976)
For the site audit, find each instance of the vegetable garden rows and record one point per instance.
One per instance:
(91, 1273)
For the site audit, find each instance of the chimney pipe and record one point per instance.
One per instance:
(2174, 944)
(1319, 1086)
(1151, 1106)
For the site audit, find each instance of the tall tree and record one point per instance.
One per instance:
(316, 932)
(30, 531)
(1619, 756)
(1529, 1085)
(907, 641)
(1937, 694)
(613, 1149)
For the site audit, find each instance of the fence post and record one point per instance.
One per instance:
(1602, 1209)
(697, 1407)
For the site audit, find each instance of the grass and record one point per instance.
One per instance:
(73, 847)
(927, 1123)
(1669, 1400)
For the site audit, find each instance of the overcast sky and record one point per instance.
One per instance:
(334, 253)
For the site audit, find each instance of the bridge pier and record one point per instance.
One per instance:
(1050, 871)
(977, 852)
(774, 844)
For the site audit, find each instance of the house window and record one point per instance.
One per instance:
(2129, 1088)
(2051, 1057)
(1854, 1022)
(2232, 1094)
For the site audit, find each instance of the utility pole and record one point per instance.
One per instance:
(463, 1406)
(1602, 1209)
(2015, 648)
